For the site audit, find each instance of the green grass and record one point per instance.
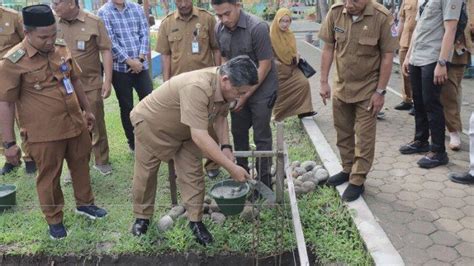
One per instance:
(327, 224)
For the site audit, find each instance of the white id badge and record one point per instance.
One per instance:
(195, 47)
(81, 45)
(68, 86)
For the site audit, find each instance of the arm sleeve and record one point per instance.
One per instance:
(103, 40)
(212, 34)
(194, 107)
(451, 9)
(11, 81)
(326, 32)
(162, 44)
(19, 27)
(388, 37)
(118, 52)
(261, 42)
(401, 14)
(144, 34)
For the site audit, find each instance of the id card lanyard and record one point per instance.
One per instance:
(195, 43)
(64, 69)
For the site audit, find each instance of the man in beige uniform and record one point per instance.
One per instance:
(172, 123)
(87, 38)
(187, 42)
(408, 12)
(11, 33)
(40, 78)
(360, 34)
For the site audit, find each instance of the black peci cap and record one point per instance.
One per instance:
(38, 16)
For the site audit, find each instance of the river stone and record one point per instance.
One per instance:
(295, 164)
(321, 175)
(317, 167)
(176, 211)
(299, 190)
(308, 165)
(205, 208)
(297, 182)
(307, 176)
(213, 207)
(299, 171)
(206, 216)
(207, 199)
(248, 213)
(165, 223)
(218, 217)
(308, 186)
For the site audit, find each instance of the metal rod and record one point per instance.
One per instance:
(254, 153)
(280, 164)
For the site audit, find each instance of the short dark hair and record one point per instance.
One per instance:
(29, 28)
(241, 71)
(219, 2)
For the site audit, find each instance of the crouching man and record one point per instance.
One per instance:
(172, 124)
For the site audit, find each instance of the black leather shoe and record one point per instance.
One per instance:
(140, 227)
(303, 115)
(30, 167)
(462, 178)
(412, 111)
(203, 236)
(338, 179)
(403, 106)
(433, 159)
(213, 173)
(415, 146)
(352, 192)
(7, 168)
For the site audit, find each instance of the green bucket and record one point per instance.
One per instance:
(7, 197)
(230, 203)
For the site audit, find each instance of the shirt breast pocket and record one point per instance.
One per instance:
(175, 41)
(82, 41)
(35, 78)
(204, 34)
(367, 46)
(340, 39)
(6, 33)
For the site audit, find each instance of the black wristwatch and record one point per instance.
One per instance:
(8, 144)
(381, 91)
(442, 62)
(226, 146)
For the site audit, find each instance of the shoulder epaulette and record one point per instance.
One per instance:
(6, 9)
(92, 16)
(60, 42)
(14, 57)
(382, 9)
(336, 5)
(205, 10)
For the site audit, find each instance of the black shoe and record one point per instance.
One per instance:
(403, 106)
(303, 115)
(412, 111)
(203, 236)
(140, 227)
(213, 173)
(338, 179)
(381, 115)
(352, 192)
(464, 178)
(7, 168)
(433, 159)
(30, 167)
(91, 211)
(57, 231)
(415, 146)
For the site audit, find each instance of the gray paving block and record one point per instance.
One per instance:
(425, 215)
(468, 222)
(401, 217)
(452, 202)
(435, 262)
(421, 227)
(466, 249)
(414, 255)
(431, 194)
(412, 187)
(418, 240)
(450, 213)
(429, 204)
(414, 178)
(443, 253)
(466, 235)
(433, 185)
(464, 261)
(445, 238)
(448, 225)
(408, 196)
(390, 188)
(454, 192)
(468, 210)
(386, 197)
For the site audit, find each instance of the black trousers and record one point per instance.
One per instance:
(429, 115)
(124, 83)
(255, 114)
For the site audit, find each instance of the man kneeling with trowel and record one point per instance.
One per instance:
(172, 123)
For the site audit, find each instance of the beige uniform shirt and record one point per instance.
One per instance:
(11, 29)
(185, 101)
(34, 82)
(408, 12)
(86, 36)
(177, 34)
(359, 46)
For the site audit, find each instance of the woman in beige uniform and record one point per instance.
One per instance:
(294, 92)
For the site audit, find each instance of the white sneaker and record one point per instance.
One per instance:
(454, 141)
(105, 169)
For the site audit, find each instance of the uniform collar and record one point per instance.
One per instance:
(217, 88)
(30, 50)
(368, 10)
(193, 14)
(81, 16)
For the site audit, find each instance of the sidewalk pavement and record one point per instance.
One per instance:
(429, 219)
